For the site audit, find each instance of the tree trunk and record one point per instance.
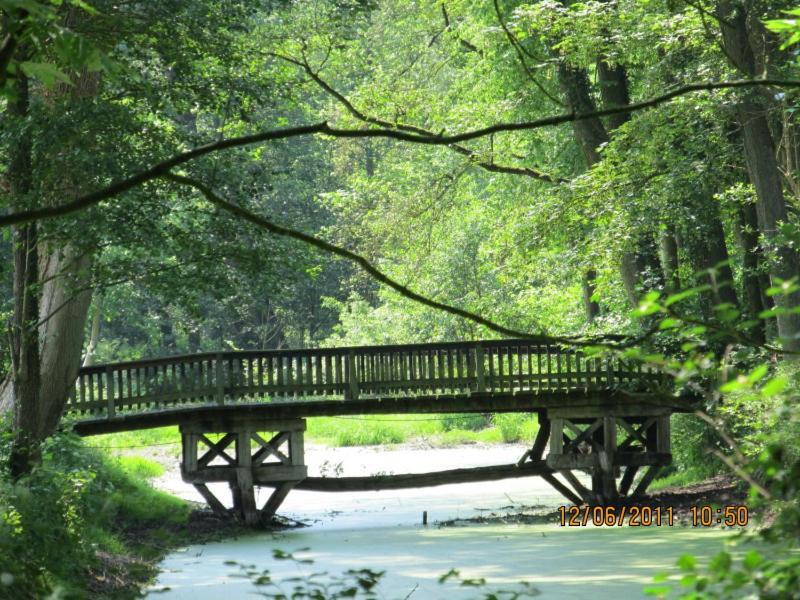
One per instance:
(668, 247)
(589, 133)
(94, 334)
(746, 225)
(26, 369)
(591, 307)
(759, 147)
(713, 257)
(51, 303)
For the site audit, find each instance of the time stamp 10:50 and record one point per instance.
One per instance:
(704, 515)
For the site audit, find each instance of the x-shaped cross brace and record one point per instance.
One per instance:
(582, 436)
(634, 434)
(270, 448)
(216, 449)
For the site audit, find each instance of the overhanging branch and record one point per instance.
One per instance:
(365, 118)
(361, 261)
(162, 168)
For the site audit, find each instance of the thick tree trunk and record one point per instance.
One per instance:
(52, 296)
(759, 146)
(589, 133)
(713, 257)
(66, 297)
(747, 237)
(26, 369)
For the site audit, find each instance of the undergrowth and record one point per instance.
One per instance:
(64, 524)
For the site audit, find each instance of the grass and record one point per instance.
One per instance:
(372, 430)
(78, 517)
(680, 478)
(441, 430)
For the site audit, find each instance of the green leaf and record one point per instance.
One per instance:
(47, 73)
(774, 386)
(752, 560)
(687, 562)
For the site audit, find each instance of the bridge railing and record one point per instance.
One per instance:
(501, 366)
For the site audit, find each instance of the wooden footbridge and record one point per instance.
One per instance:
(242, 414)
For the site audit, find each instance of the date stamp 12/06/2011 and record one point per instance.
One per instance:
(704, 515)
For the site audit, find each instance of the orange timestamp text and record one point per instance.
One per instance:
(733, 515)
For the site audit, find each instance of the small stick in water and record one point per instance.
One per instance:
(424, 517)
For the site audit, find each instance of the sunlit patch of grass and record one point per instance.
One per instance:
(140, 468)
(167, 437)
(679, 479)
(438, 430)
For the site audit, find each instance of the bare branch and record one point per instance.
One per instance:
(162, 168)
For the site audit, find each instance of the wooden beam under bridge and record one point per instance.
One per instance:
(374, 483)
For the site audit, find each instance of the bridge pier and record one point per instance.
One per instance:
(247, 452)
(602, 441)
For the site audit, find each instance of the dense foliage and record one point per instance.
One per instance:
(676, 222)
(62, 528)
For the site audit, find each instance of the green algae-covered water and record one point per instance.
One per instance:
(597, 563)
(383, 532)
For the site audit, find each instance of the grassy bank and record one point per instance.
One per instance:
(83, 525)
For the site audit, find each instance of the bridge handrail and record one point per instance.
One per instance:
(486, 366)
(178, 358)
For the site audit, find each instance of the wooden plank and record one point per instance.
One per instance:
(352, 379)
(479, 368)
(562, 489)
(109, 392)
(219, 395)
(414, 480)
(276, 499)
(216, 506)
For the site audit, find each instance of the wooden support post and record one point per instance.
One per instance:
(605, 466)
(219, 394)
(564, 490)
(557, 436)
(627, 479)
(351, 392)
(645, 482)
(663, 435)
(586, 494)
(479, 368)
(216, 506)
(276, 499)
(244, 479)
(109, 393)
(542, 437)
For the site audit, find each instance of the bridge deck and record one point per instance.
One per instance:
(485, 376)
(475, 402)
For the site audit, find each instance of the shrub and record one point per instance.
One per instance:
(54, 521)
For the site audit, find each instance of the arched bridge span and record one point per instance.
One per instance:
(242, 414)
